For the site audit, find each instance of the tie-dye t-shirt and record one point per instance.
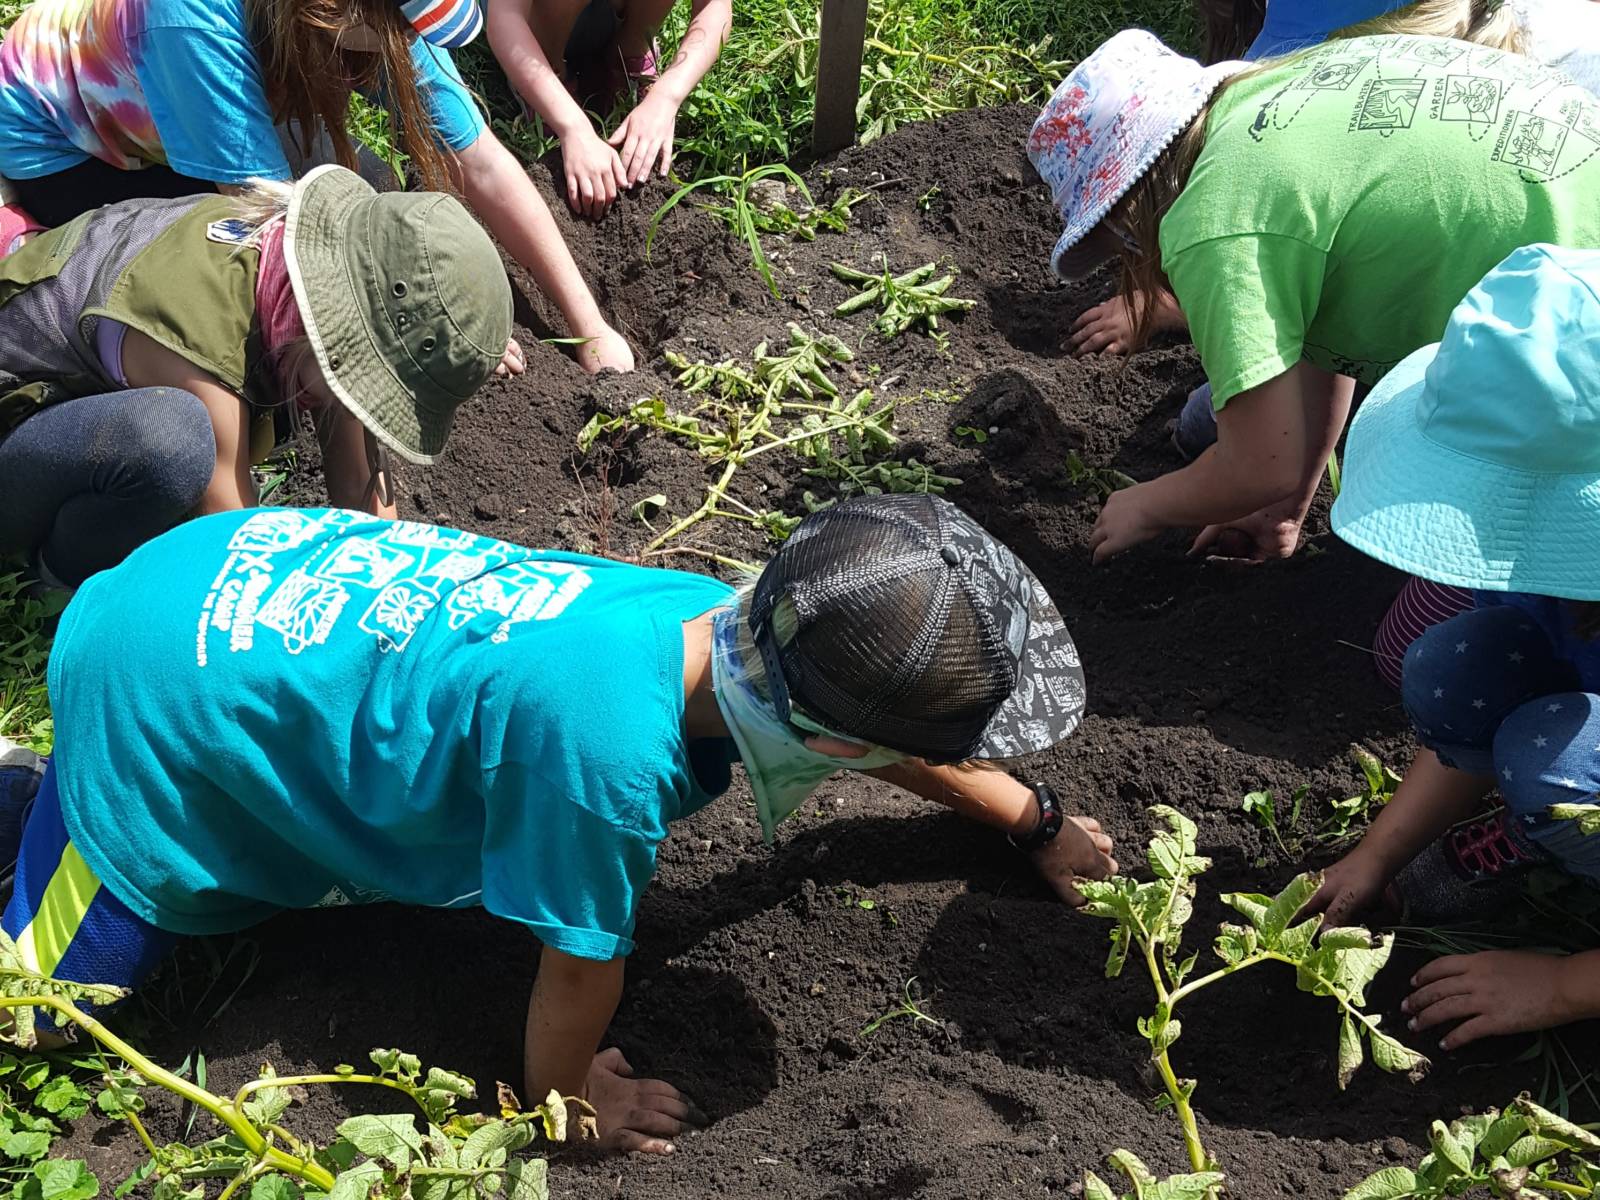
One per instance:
(134, 82)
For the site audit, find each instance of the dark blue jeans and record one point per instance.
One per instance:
(86, 481)
(1488, 694)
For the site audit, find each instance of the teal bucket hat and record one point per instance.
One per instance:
(1476, 461)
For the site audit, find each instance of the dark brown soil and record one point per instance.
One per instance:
(754, 975)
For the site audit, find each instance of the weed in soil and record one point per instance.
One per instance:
(1150, 917)
(1100, 480)
(910, 1006)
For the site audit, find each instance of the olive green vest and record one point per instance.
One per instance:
(166, 268)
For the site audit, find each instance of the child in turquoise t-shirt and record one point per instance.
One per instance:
(1316, 218)
(283, 709)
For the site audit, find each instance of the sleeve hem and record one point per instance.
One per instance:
(1253, 376)
(580, 943)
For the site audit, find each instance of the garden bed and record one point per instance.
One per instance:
(758, 969)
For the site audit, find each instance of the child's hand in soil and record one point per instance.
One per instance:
(644, 139)
(1260, 537)
(1109, 326)
(1125, 521)
(606, 351)
(512, 362)
(1501, 991)
(594, 173)
(1350, 887)
(1082, 850)
(635, 1114)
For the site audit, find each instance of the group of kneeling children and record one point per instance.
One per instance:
(265, 708)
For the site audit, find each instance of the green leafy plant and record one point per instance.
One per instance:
(24, 652)
(1262, 808)
(749, 220)
(909, 301)
(910, 1006)
(1521, 1153)
(1102, 480)
(456, 1156)
(1150, 917)
(37, 1094)
(783, 400)
(971, 432)
(929, 198)
(1586, 815)
(1146, 1186)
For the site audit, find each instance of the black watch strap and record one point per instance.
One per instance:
(1050, 819)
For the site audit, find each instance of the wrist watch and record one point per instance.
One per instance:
(1050, 819)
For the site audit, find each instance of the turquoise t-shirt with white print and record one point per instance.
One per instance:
(286, 708)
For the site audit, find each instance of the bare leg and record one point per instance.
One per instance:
(640, 21)
(552, 22)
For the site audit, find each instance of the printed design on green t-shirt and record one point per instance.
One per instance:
(297, 575)
(1542, 124)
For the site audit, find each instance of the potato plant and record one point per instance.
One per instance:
(1521, 1153)
(783, 400)
(1150, 917)
(909, 301)
(455, 1156)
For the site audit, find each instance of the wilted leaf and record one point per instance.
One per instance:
(1526, 1151)
(649, 506)
(553, 1112)
(1095, 1188)
(1390, 1055)
(1505, 1129)
(1391, 1183)
(501, 1136)
(1548, 1124)
(1287, 904)
(1350, 1053)
(1586, 815)
(1118, 955)
(1130, 1164)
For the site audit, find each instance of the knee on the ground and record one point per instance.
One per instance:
(1543, 747)
(166, 443)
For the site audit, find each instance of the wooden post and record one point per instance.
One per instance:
(844, 30)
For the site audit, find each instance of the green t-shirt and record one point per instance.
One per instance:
(1349, 197)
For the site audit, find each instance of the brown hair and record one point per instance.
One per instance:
(1230, 26)
(310, 75)
(1489, 23)
(1137, 219)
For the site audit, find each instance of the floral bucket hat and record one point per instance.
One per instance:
(1106, 124)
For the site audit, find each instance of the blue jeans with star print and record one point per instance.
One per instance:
(1488, 694)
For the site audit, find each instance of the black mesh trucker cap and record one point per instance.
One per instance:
(915, 630)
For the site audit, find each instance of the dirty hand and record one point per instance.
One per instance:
(1109, 326)
(645, 137)
(1494, 992)
(594, 173)
(635, 1114)
(607, 350)
(1259, 537)
(1349, 888)
(512, 362)
(1082, 850)
(1124, 522)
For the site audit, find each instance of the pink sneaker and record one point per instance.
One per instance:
(643, 71)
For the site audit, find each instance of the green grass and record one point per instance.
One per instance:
(923, 58)
(24, 650)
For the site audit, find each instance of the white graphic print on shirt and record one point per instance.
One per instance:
(394, 576)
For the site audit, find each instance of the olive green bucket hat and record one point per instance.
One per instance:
(404, 299)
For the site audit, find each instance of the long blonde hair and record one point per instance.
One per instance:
(310, 75)
(1491, 23)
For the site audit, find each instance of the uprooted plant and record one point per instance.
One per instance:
(1346, 821)
(785, 400)
(1519, 1154)
(1337, 963)
(907, 301)
(461, 1156)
